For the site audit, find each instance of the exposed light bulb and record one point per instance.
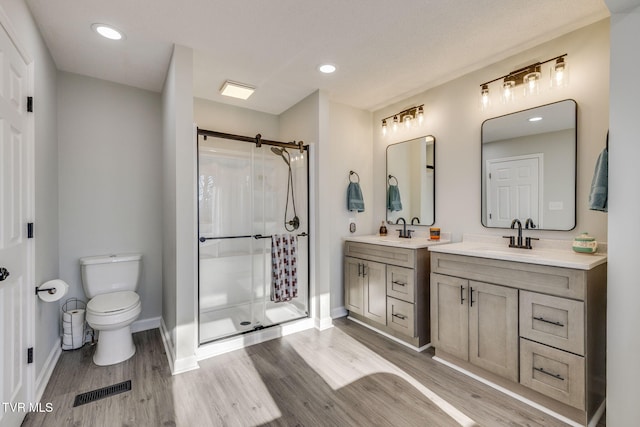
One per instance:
(532, 83)
(507, 90)
(420, 115)
(395, 123)
(384, 127)
(407, 121)
(485, 99)
(559, 73)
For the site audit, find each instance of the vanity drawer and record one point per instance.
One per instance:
(386, 254)
(552, 372)
(400, 283)
(400, 316)
(558, 322)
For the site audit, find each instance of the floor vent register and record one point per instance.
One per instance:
(101, 393)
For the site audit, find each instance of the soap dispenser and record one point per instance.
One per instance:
(383, 229)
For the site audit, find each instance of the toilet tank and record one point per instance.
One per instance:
(110, 273)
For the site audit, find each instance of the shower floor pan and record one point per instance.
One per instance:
(229, 321)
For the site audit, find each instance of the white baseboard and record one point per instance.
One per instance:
(245, 340)
(323, 323)
(391, 337)
(177, 366)
(339, 312)
(47, 370)
(145, 324)
(512, 394)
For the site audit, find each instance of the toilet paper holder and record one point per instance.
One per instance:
(51, 291)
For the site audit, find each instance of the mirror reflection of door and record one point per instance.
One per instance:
(514, 186)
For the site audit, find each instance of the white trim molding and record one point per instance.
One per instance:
(47, 370)
(177, 366)
(146, 324)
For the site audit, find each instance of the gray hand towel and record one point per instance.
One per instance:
(393, 198)
(355, 202)
(600, 183)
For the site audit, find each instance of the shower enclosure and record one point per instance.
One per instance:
(248, 190)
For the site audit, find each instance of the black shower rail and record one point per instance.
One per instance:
(255, 236)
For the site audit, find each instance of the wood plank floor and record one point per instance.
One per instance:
(344, 376)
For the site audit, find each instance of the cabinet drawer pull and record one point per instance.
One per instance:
(542, 371)
(399, 316)
(461, 294)
(395, 282)
(542, 319)
(364, 270)
(359, 269)
(471, 296)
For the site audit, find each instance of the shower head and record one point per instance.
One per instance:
(281, 152)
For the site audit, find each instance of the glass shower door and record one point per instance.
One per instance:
(241, 204)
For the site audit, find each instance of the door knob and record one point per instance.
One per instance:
(4, 273)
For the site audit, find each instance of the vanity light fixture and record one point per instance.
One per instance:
(529, 77)
(107, 31)
(236, 90)
(410, 117)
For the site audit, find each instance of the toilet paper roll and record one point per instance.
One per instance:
(59, 288)
(73, 329)
(73, 321)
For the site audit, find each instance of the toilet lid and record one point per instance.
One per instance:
(113, 302)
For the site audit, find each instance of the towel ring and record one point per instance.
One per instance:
(392, 177)
(354, 173)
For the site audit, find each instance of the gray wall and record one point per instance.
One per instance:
(110, 139)
(179, 243)
(623, 340)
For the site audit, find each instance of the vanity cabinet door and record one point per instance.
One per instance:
(353, 285)
(450, 315)
(375, 291)
(493, 328)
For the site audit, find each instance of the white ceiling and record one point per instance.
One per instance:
(384, 50)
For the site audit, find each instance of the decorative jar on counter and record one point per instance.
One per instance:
(585, 244)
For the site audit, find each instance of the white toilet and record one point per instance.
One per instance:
(110, 282)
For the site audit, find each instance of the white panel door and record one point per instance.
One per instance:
(513, 189)
(14, 249)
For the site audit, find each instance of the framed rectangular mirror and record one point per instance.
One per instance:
(529, 167)
(411, 181)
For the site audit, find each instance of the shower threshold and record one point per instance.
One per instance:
(227, 322)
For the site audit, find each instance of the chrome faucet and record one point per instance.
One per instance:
(404, 233)
(415, 218)
(512, 239)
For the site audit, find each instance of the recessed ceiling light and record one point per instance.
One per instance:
(107, 31)
(535, 119)
(236, 90)
(327, 68)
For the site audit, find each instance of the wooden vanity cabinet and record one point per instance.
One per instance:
(387, 288)
(476, 322)
(537, 330)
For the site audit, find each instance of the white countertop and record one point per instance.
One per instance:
(417, 241)
(557, 253)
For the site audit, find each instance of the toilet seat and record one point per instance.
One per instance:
(113, 310)
(113, 303)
